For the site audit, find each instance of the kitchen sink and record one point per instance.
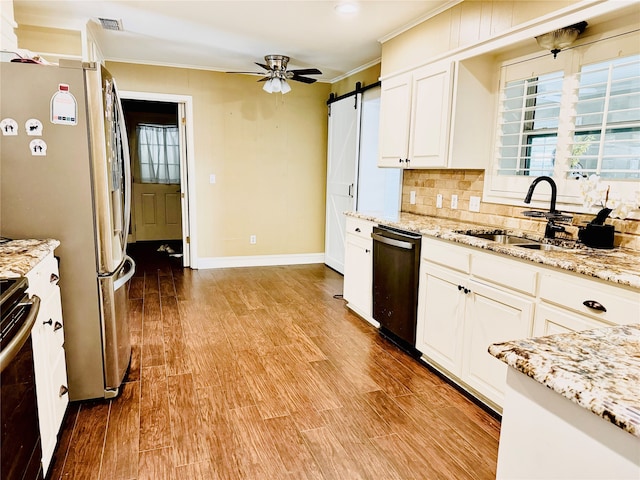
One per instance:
(540, 246)
(515, 240)
(502, 238)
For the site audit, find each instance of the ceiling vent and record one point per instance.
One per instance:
(111, 24)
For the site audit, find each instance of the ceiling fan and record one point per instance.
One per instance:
(277, 75)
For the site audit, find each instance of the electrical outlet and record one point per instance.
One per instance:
(454, 202)
(412, 197)
(474, 204)
(253, 240)
(212, 178)
(439, 201)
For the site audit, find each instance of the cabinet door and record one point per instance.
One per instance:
(492, 315)
(357, 275)
(440, 315)
(431, 109)
(395, 114)
(550, 320)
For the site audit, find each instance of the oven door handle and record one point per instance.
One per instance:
(10, 351)
(390, 241)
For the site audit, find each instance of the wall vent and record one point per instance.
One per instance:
(111, 24)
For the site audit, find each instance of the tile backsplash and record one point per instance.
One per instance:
(467, 183)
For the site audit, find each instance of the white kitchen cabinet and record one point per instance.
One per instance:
(358, 268)
(468, 300)
(395, 117)
(439, 330)
(492, 315)
(414, 118)
(438, 116)
(48, 355)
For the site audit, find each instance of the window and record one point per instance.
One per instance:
(569, 118)
(529, 125)
(159, 153)
(606, 135)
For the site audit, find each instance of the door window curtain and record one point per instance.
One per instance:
(159, 153)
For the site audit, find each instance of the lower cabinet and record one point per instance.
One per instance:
(48, 355)
(458, 318)
(470, 298)
(358, 267)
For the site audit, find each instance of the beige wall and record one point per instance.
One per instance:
(368, 76)
(268, 153)
(49, 40)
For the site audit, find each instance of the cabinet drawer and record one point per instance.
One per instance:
(446, 253)
(43, 278)
(359, 227)
(59, 394)
(570, 292)
(505, 272)
(52, 326)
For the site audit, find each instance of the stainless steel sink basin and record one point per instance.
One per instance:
(502, 238)
(540, 246)
(515, 240)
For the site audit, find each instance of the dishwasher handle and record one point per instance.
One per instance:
(391, 241)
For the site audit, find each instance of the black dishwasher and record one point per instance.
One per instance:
(396, 262)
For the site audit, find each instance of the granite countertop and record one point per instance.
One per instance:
(17, 257)
(618, 265)
(597, 369)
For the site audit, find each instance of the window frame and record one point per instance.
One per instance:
(511, 189)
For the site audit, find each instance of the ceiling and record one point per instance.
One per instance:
(231, 35)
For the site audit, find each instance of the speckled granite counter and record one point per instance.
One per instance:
(617, 266)
(596, 369)
(17, 257)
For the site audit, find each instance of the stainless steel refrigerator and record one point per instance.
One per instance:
(65, 174)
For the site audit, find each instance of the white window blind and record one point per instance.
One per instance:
(159, 153)
(606, 137)
(528, 129)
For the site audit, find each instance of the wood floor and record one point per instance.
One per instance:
(261, 373)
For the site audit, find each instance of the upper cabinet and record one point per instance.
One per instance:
(437, 116)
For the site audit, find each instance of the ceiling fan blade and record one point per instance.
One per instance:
(266, 67)
(306, 71)
(298, 78)
(249, 73)
(264, 79)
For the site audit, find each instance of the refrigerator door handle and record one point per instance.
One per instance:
(125, 277)
(127, 169)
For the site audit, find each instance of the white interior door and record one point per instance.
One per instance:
(342, 165)
(379, 189)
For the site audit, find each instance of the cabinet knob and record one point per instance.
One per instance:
(366, 250)
(63, 390)
(358, 229)
(400, 160)
(466, 291)
(594, 305)
(54, 278)
(48, 322)
(57, 326)
(460, 287)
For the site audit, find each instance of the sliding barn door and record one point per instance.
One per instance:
(342, 167)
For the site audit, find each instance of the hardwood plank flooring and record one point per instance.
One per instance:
(262, 373)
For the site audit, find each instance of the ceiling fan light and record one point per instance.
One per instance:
(284, 86)
(561, 38)
(276, 86)
(268, 86)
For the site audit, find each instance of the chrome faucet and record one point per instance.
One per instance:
(552, 227)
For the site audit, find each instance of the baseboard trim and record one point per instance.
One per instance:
(260, 260)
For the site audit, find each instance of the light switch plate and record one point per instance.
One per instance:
(412, 197)
(439, 201)
(454, 202)
(212, 178)
(474, 204)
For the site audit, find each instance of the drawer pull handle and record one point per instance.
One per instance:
(366, 250)
(358, 229)
(594, 305)
(54, 278)
(48, 322)
(63, 391)
(57, 326)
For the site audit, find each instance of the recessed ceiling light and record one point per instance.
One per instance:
(347, 8)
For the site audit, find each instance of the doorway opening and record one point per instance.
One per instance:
(158, 130)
